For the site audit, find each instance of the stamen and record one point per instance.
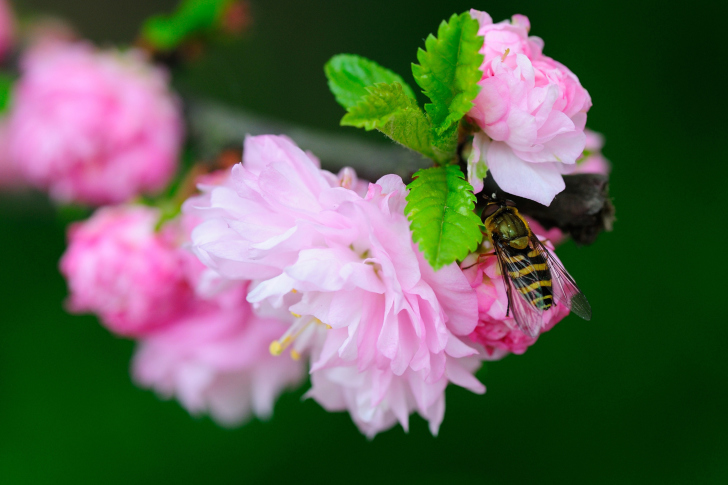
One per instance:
(296, 315)
(295, 355)
(294, 291)
(505, 54)
(294, 331)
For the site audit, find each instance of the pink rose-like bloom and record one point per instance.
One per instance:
(331, 254)
(593, 161)
(216, 360)
(532, 111)
(133, 278)
(90, 126)
(7, 28)
(495, 331)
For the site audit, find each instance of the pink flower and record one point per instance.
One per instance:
(532, 111)
(377, 399)
(216, 360)
(133, 278)
(593, 161)
(95, 127)
(7, 28)
(330, 255)
(495, 331)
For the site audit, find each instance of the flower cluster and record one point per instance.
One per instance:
(237, 287)
(531, 110)
(207, 349)
(384, 333)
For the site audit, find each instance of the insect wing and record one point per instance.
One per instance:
(564, 286)
(528, 318)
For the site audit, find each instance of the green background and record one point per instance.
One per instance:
(637, 395)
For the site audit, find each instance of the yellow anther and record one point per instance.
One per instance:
(329, 327)
(275, 348)
(296, 315)
(505, 54)
(294, 291)
(295, 355)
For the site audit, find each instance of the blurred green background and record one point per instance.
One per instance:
(638, 395)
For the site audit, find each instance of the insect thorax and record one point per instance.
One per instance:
(506, 224)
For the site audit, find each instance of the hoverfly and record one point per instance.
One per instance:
(535, 280)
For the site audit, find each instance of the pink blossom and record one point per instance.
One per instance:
(133, 278)
(495, 331)
(532, 111)
(92, 126)
(7, 28)
(215, 360)
(328, 254)
(593, 161)
(377, 399)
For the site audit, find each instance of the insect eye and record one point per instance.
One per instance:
(490, 210)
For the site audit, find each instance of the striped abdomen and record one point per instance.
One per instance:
(529, 271)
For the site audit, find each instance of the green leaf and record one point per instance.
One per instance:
(6, 91)
(449, 70)
(387, 108)
(349, 76)
(440, 210)
(166, 32)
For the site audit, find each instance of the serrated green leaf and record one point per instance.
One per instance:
(440, 210)
(449, 70)
(349, 75)
(387, 108)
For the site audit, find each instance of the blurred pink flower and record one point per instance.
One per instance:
(329, 254)
(7, 28)
(532, 111)
(133, 278)
(216, 360)
(495, 331)
(91, 126)
(593, 161)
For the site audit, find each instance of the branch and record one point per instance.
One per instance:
(582, 210)
(215, 127)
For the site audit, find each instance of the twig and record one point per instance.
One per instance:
(215, 127)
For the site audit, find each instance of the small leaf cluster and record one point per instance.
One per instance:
(441, 202)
